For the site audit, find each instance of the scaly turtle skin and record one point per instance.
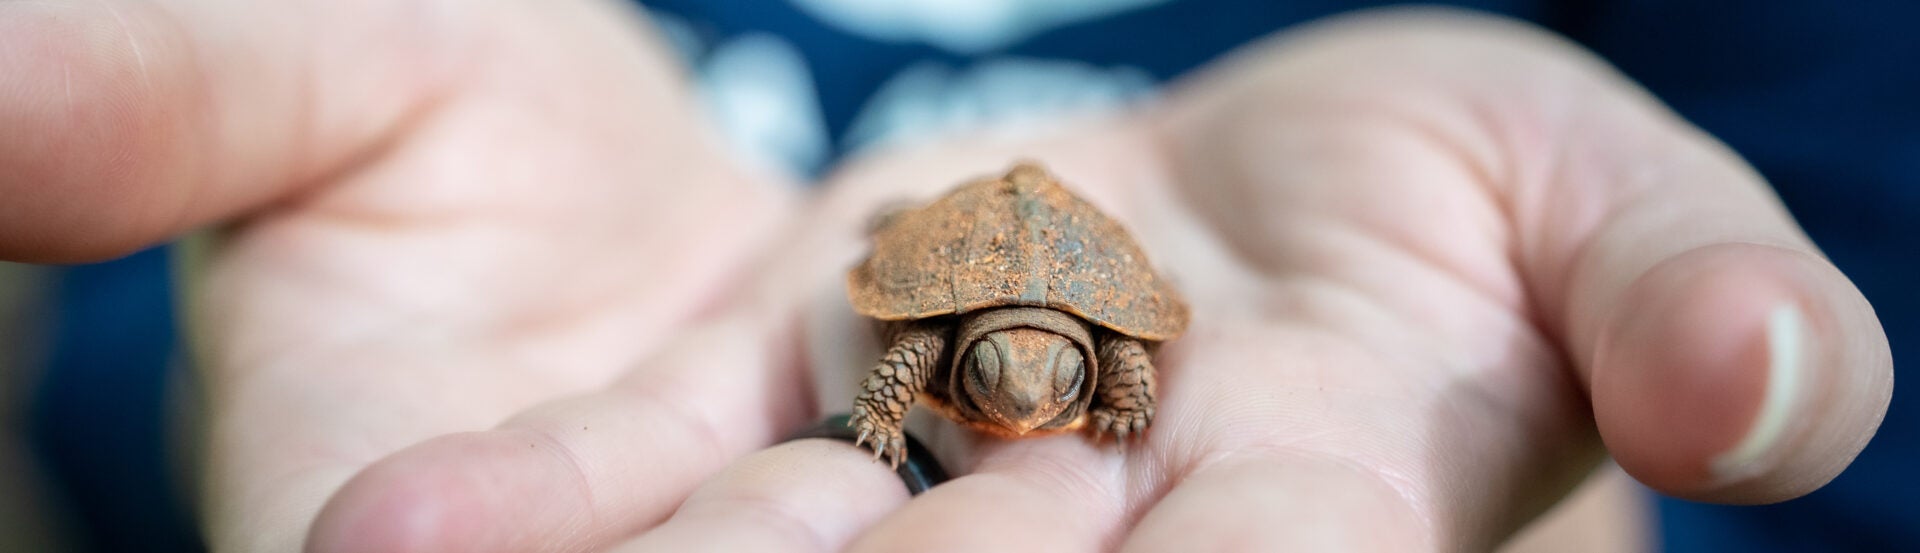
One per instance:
(1013, 307)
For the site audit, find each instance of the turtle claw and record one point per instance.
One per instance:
(1125, 426)
(894, 449)
(880, 435)
(890, 447)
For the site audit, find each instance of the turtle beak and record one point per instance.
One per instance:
(1016, 414)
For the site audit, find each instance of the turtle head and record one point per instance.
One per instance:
(1023, 378)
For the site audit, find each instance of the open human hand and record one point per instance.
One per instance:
(441, 214)
(1425, 258)
(1438, 266)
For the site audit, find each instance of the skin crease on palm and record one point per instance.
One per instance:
(489, 284)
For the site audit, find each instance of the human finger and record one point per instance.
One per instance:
(1263, 502)
(1726, 359)
(582, 472)
(1059, 493)
(805, 495)
(127, 122)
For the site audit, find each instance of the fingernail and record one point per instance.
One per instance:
(1787, 348)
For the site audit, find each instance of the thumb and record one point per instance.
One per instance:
(1727, 359)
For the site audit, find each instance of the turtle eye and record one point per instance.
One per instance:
(986, 365)
(1069, 370)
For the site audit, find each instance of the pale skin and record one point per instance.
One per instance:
(491, 286)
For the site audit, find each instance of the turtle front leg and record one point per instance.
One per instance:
(1123, 401)
(890, 390)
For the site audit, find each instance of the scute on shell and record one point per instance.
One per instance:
(1022, 239)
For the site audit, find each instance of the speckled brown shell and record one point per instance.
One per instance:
(1018, 240)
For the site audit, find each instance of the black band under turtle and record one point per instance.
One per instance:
(919, 471)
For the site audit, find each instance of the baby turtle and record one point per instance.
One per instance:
(1012, 307)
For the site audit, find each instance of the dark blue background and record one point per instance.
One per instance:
(1822, 97)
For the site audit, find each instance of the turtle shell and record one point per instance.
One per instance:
(1018, 240)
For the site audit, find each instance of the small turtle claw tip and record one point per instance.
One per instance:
(862, 438)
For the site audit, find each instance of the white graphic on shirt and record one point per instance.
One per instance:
(930, 99)
(964, 26)
(758, 90)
